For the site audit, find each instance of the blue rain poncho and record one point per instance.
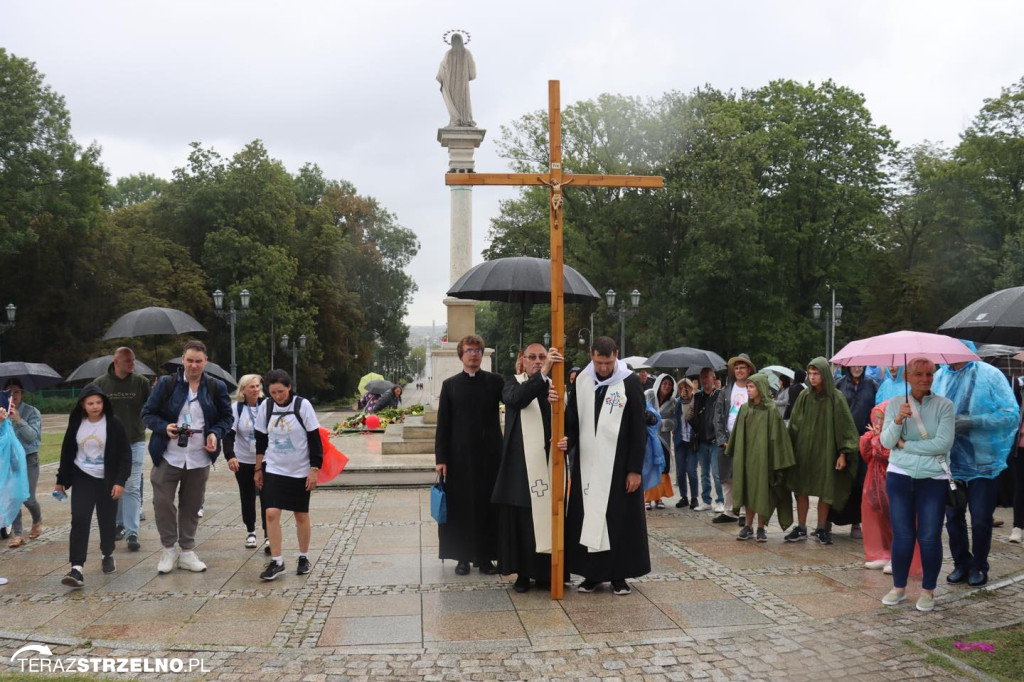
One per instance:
(654, 456)
(986, 418)
(13, 474)
(891, 386)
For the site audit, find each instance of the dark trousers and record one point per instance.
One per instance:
(248, 493)
(87, 494)
(916, 506)
(1018, 489)
(972, 554)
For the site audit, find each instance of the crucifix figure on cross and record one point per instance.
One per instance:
(556, 180)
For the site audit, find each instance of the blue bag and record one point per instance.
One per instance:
(438, 501)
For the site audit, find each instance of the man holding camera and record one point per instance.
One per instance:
(189, 414)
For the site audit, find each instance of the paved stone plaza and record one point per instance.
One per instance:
(378, 603)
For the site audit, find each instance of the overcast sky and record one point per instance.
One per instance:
(350, 85)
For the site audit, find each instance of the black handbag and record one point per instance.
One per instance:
(956, 496)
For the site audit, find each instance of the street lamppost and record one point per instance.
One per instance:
(231, 315)
(833, 318)
(295, 348)
(11, 310)
(623, 313)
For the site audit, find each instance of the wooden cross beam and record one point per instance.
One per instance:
(556, 180)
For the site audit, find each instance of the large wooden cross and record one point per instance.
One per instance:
(555, 180)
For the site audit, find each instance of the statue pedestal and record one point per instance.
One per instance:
(461, 143)
(445, 362)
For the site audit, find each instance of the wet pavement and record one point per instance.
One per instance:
(378, 602)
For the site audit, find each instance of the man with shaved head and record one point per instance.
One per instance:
(128, 393)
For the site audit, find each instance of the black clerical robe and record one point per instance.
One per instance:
(516, 541)
(629, 556)
(468, 440)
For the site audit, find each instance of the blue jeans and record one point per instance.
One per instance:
(686, 470)
(707, 456)
(981, 500)
(130, 504)
(916, 508)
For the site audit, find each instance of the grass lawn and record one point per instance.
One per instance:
(49, 451)
(1005, 662)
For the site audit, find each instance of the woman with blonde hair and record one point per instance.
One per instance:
(240, 452)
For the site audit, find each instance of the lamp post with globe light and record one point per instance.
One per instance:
(295, 348)
(833, 318)
(623, 313)
(231, 315)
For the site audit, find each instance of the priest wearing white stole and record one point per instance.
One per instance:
(523, 490)
(605, 526)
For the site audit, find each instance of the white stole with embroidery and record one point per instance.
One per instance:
(597, 457)
(538, 470)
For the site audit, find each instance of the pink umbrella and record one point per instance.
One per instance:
(893, 350)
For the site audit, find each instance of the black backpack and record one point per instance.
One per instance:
(296, 404)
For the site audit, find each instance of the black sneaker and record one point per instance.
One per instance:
(272, 570)
(620, 587)
(724, 518)
(746, 534)
(796, 535)
(108, 564)
(762, 535)
(683, 502)
(587, 586)
(119, 534)
(693, 504)
(73, 578)
(304, 566)
(822, 536)
(133, 542)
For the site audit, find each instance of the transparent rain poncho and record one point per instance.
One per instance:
(13, 474)
(986, 418)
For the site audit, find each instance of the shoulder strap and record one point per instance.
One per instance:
(238, 409)
(295, 410)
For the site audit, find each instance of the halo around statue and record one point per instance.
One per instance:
(464, 33)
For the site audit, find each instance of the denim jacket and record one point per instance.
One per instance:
(162, 409)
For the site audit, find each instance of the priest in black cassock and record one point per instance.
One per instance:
(605, 525)
(523, 492)
(467, 450)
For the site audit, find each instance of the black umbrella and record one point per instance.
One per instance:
(212, 368)
(97, 367)
(153, 320)
(684, 356)
(33, 375)
(996, 318)
(521, 280)
(379, 386)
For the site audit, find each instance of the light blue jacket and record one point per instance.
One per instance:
(30, 429)
(919, 456)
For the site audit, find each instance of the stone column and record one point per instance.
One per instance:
(461, 143)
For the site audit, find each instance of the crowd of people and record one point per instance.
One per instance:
(886, 456)
(273, 447)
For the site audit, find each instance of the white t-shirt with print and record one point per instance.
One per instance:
(245, 433)
(737, 399)
(287, 447)
(92, 441)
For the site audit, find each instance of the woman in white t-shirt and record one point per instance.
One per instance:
(288, 459)
(95, 460)
(240, 452)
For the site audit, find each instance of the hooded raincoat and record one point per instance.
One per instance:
(821, 427)
(891, 386)
(667, 411)
(761, 452)
(13, 473)
(986, 418)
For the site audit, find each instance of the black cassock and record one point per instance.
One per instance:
(629, 556)
(517, 548)
(468, 440)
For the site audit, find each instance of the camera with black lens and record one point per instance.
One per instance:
(184, 433)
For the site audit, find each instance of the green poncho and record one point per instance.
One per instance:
(822, 427)
(761, 450)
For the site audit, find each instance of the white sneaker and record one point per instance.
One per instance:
(702, 507)
(168, 560)
(1015, 535)
(888, 569)
(720, 508)
(250, 541)
(200, 513)
(876, 565)
(190, 562)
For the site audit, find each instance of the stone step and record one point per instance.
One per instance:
(405, 475)
(429, 416)
(423, 446)
(419, 432)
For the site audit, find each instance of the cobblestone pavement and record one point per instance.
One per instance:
(378, 603)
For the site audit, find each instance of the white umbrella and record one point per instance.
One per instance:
(636, 362)
(780, 370)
